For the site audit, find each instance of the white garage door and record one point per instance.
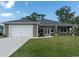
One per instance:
(21, 30)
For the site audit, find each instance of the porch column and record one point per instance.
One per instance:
(37, 30)
(73, 32)
(4, 30)
(56, 30)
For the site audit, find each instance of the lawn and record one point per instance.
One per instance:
(59, 46)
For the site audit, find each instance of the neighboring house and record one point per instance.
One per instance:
(44, 27)
(1, 29)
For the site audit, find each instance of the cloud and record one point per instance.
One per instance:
(78, 6)
(6, 14)
(9, 4)
(26, 3)
(18, 12)
(1, 10)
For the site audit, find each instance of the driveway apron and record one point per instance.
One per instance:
(11, 44)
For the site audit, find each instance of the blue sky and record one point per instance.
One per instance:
(13, 10)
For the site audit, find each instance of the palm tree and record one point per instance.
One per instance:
(35, 17)
(28, 17)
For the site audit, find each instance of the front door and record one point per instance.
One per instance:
(47, 31)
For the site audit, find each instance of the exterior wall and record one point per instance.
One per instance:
(6, 30)
(35, 30)
(63, 33)
(56, 30)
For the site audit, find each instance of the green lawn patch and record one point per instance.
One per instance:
(59, 46)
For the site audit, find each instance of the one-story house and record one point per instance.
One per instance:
(30, 28)
(1, 30)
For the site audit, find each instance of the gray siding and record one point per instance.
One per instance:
(64, 33)
(35, 30)
(6, 30)
(57, 30)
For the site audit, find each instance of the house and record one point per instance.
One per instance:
(1, 30)
(30, 28)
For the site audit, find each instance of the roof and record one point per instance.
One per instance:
(21, 21)
(44, 22)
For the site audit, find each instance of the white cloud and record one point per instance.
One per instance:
(26, 3)
(9, 4)
(6, 14)
(77, 7)
(18, 12)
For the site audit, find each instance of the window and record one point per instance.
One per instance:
(63, 30)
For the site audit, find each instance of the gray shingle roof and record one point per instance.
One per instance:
(21, 20)
(44, 22)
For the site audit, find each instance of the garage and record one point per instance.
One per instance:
(21, 30)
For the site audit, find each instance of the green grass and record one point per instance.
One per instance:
(43, 47)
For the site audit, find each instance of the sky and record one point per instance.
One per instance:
(14, 10)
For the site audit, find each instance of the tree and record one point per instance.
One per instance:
(28, 17)
(76, 20)
(65, 15)
(35, 16)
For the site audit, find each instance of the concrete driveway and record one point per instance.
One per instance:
(10, 45)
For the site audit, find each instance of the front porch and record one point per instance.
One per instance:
(55, 30)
